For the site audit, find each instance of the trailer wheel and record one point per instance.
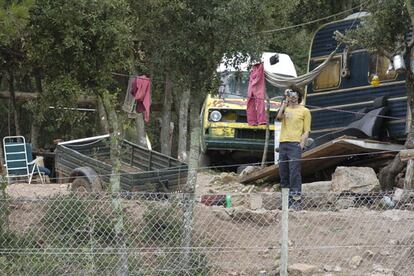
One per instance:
(85, 179)
(81, 185)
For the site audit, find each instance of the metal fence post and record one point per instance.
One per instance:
(285, 238)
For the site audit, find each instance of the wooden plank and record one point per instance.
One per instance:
(407, 154)
(325, 156)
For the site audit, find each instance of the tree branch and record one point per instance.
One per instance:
(352, 42)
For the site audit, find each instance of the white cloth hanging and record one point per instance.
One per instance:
(287, 81)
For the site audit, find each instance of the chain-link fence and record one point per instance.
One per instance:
(154, 234)
(363, 234)
(178, 234)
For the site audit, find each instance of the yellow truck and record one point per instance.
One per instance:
(226, 136)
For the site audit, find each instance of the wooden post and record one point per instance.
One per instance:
(408, 155)
(409, 175)
(285, 228)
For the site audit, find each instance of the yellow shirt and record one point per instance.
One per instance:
(295, 122)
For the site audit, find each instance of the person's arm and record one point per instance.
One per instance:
(306, 128)
(281, 113)
(303, 139)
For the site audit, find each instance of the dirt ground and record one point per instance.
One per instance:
(241, 241)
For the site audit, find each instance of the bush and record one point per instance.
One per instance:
(162, 225)
(76, 220)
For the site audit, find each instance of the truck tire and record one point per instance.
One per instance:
(81, 185)
(204, 160)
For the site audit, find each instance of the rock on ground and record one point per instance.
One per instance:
(355, 179)
(317, 187)
(302, 269)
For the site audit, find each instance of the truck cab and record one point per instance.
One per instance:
(226, 136)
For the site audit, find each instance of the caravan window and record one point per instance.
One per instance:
(379, 65)
(330, 76)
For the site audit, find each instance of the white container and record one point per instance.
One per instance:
(398, 62)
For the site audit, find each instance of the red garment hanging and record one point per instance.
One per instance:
(256, 94)
(141, 90)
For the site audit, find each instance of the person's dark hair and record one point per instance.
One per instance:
(299, 91)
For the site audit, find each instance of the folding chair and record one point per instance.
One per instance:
(18, 159)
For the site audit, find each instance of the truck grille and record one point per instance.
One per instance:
(242, 117)
(259, 134)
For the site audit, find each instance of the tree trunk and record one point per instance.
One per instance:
(115, 182)
(166, 118)
(266, 144)
(387, 174)
(140, 128)
(409, 83)
(34, 134)
(1, 156)
(183, 126)
(194, 145)
(13, 104)
(103, 117)
(189, 196)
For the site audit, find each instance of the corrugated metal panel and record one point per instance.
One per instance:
(324, 43)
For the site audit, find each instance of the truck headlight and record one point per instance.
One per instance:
(215, 116)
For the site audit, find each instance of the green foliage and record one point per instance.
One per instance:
(14, 16)
(380, 30)
(54, 111)
(61, 93)
(163, 225)
(74, 221)
(84, 39)
(189, 38)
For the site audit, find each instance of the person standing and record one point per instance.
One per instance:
(296, 121)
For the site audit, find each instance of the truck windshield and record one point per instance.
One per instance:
(235, 85)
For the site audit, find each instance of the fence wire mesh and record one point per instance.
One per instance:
(152, 234)
(179, 234)
(348, 233)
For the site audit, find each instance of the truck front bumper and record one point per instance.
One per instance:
(237, 144)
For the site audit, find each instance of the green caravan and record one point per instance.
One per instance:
(353, 84)
(226, 136)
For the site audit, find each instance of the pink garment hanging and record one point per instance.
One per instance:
(141, 90)
(256, 94)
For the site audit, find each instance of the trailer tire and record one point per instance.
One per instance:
(85, 179)
(81, 185)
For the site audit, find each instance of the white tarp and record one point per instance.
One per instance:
(278, 80)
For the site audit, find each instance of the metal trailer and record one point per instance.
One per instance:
(86, 164)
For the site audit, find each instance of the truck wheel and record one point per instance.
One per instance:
(81, 185)
(241, 168)
(204, 160)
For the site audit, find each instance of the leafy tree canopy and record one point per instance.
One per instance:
(84, 39)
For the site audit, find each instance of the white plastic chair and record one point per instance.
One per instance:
(18, 159)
